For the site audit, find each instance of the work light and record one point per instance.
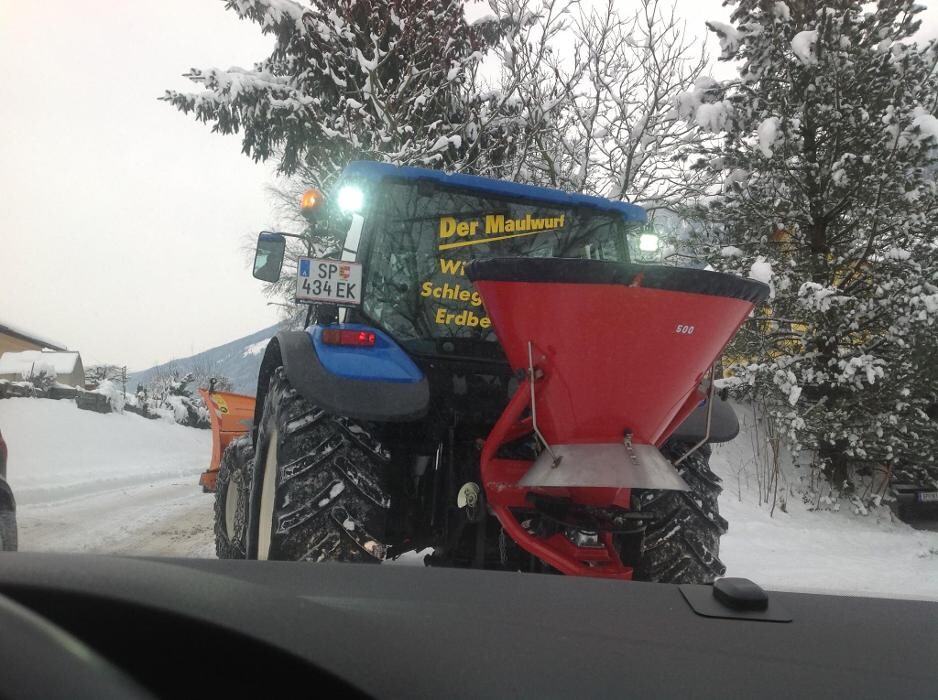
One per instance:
(350, 199)
(648, 242)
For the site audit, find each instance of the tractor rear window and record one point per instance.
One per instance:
(420, 240)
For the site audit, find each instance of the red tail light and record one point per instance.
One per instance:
(360, 339)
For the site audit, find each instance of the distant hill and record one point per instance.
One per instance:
(238, 360)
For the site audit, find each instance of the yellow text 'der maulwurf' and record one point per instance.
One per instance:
(493, 227)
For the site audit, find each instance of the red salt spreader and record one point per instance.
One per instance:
(611, 358)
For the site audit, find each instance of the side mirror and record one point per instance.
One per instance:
(268, 256)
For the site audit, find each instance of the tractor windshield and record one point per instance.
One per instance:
(419, 239)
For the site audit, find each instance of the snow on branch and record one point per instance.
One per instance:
(803, 46)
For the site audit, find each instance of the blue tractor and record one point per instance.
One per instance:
(490, 374)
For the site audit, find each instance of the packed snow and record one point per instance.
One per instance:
(780, 11)
(713, 116)
(768, 135)
(701, 105)
(119, 483)
(802, 44)
(728, 35)
(761, 270)
(115, 395)
(927, 123)
(816, 297)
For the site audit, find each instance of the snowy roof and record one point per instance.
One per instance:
(20, 362)
(22, 333)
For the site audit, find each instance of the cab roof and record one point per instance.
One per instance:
(364, 169)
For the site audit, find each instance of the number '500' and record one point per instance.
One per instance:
(684, 330)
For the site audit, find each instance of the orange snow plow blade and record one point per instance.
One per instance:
(231, 416)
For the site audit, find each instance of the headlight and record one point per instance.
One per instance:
(350, 199)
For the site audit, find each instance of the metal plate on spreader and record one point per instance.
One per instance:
(606, 465)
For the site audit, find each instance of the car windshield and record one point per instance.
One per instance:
(637, 291)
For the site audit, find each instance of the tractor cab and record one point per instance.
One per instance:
(407, 234)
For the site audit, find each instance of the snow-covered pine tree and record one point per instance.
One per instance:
(388, 80)
(826, 164)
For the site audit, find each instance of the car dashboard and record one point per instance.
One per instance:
(246, 628)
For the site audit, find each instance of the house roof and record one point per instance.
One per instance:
(19, 363)
(23, 334)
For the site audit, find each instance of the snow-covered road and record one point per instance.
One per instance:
(115, 483)
(121, 484)
(168, 517)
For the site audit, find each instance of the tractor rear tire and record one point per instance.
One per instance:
(232, 487)
(682, 543)
(320, 487)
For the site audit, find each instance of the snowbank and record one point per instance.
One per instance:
(816, 551)
(115, 395)
(58, 451)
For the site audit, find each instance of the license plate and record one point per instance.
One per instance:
(928, 497)
(333, 281)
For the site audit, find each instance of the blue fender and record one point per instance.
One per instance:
(379, 383)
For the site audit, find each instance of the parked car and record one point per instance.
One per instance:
(7, 505)
(916, 501)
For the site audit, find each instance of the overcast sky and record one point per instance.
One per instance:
(122, 220)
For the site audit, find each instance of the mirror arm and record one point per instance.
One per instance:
(302, 237)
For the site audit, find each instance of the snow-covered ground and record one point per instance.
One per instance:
(817, 551)
(87, 482)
